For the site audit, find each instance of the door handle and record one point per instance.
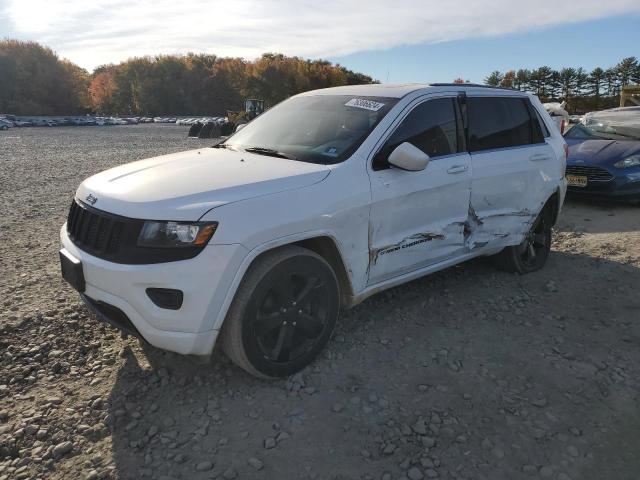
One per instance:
(458, 169)
(538, 157)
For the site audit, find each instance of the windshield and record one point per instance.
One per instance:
(602, 132)
(318, 129)
(616, 124)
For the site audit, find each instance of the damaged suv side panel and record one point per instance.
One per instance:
(515, 170)
(417, 217)
(492, 167)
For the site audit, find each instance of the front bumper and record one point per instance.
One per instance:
(205, 281)
(111, 315)
(624, 185)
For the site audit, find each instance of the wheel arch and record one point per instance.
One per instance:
(327, 248)
(322, 243)
(552, 206)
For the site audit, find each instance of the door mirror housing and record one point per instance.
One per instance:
(408, 157)
(240, 127)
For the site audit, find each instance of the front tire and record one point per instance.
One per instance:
(283, 314)
(531, 255)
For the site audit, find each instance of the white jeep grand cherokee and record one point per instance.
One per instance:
(322, 201)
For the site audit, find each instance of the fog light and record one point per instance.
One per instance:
(166, 297)
(633, 177)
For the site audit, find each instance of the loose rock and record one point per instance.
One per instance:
(204, 466)
(62, 449)
(255, 463)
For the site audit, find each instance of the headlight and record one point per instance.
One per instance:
(176, 234)
(632, 161)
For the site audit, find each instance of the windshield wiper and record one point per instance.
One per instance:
(221, 145)
(269, 152)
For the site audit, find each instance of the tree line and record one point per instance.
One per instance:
(35, 81)
(583, 91)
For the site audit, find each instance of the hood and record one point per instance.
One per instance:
(599, 151)
(185, 185)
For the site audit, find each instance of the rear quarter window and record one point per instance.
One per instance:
(543, 126)
(498, 122)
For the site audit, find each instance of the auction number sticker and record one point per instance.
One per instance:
(365, 104)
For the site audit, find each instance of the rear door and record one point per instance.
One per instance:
(510, 158)
(417, 217)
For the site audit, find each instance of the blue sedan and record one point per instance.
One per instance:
(604, 159)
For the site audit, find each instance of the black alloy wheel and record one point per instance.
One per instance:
(535, 247)
(283, 314)
(292, 313)
(532, 253)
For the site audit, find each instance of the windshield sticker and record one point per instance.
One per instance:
(365, 104)
(331, 152)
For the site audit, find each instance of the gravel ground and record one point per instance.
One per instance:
(470, 373)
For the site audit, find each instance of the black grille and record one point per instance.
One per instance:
(115, 238)
(593, 174)
(93, 231)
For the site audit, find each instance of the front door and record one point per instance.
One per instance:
(417, 218)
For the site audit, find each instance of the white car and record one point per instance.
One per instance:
(327, 198)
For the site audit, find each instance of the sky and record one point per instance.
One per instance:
(395, 41)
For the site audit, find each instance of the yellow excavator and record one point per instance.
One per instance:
(252, 108)
(214, 129)
(631, 94)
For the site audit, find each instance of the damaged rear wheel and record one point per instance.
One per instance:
(532, 253)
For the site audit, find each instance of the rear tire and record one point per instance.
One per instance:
(531, 255)
(283, 314)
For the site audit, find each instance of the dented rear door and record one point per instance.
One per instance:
(418, 218)
(508, 184)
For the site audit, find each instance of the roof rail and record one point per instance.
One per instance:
(478, 85)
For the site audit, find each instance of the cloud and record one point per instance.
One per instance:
(96, 32)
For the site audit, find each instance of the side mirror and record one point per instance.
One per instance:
(240, 127)
(408, 157)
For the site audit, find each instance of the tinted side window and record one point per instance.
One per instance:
(543, 126)
(498, 123)
(431, 127)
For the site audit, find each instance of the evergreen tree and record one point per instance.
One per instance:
(494, 78)
(626, 70)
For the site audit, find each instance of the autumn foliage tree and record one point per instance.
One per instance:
(208, 85)
(508, 79)
(102, 89)
(33, 80)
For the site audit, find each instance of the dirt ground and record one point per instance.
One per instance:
(470, 373)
